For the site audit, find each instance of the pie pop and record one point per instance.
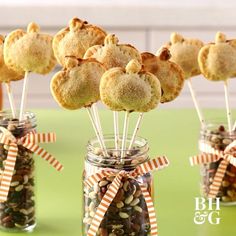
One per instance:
(112, 54)
(217, 62)
(77, 86)
(170, 75)
(76, 39)
(26, 52)
(184, 52)
(7, 75)
(130, 90)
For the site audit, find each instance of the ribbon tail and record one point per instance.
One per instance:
(104, 205)
(43, 154)
(203, 158)
(153, 164)
(8, 172)
(217, 181)
(33, 137)
(151, 210)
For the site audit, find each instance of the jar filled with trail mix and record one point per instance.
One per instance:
(17, 213)
(127, 214)
(217, 136)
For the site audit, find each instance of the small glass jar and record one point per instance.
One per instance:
(216, 135)
(18, 212)
(127, 214)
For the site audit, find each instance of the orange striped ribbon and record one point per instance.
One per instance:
(154, 164)
(209, 155)
(29, 141)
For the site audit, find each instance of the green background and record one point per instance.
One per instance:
(173, 133)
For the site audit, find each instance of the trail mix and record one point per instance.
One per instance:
(219, 139)
(127, 214)
(18, 212)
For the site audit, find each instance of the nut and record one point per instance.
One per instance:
(135, 202)
(120, 204)
(129, 199)
(137, 208)
(19, 188)
(103, 183)
(123, 215)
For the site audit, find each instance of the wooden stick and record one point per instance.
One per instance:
(24, 96)
(136, 129)
(200, 116)
(125, 131)
(229, 118)
(11, 100)
(90, 113)
(116, 129)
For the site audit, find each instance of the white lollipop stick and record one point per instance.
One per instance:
(234, 127)
(11, 100)
(136, 129)
(98, 123)
(97, 119)
(125, 131)
(199, 112)
(116, 129)
(24, 96)
(228, 106)
(97, 131)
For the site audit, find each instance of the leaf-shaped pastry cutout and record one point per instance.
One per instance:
(29, 51)
(217, 60)
(184, 52)
(77, 85)
(7, 74)
(131, 90)
(112, 54)
(170, 75)
(76, 39)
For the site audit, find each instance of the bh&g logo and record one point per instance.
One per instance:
(207, 212)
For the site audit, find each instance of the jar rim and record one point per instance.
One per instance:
(133, 157)
(28, 116)
(213, 127)
(138, 139)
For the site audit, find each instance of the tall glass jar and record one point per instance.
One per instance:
(127, 214)
(216, 135)
(18, 212)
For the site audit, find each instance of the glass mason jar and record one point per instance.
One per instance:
(216, 135)
(18, 212)
(127, 214)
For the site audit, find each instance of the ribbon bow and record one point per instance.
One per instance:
(154, 164)
(29, 141)
(209, 155)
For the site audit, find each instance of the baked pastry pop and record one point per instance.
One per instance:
(129, 90)
(217, 62)
(6, 76)
(77, 86)
(76, 39)
(26, 52)
(112, 54)
(170, 74)
(184, 52)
